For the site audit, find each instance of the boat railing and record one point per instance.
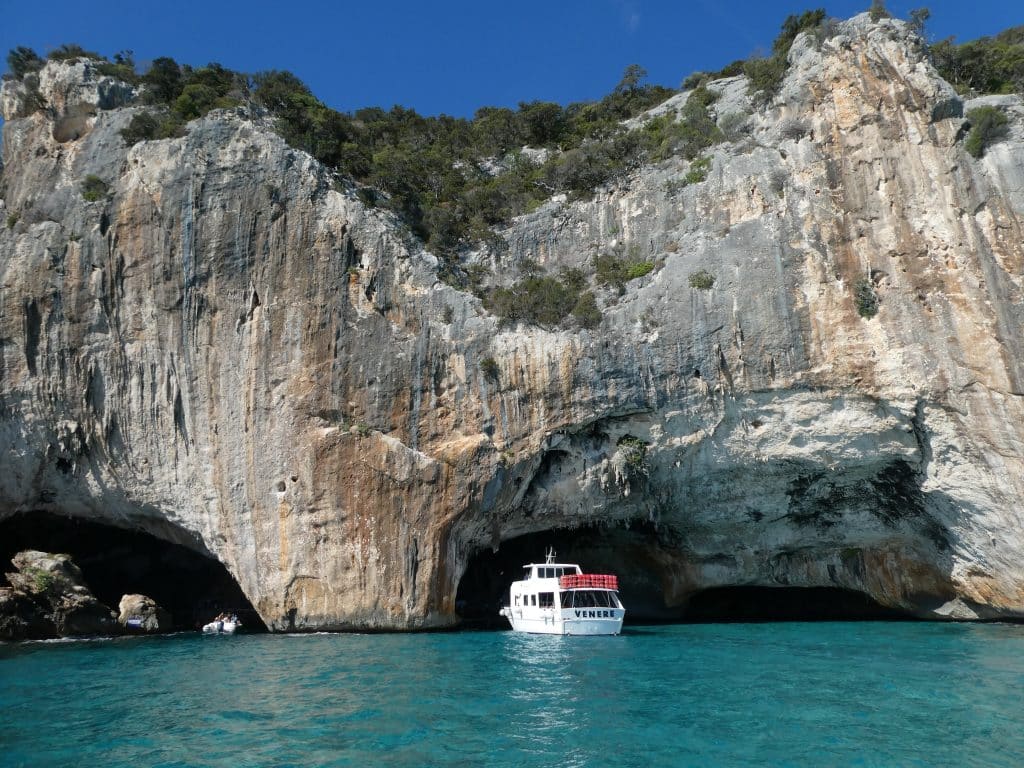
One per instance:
(589, 581)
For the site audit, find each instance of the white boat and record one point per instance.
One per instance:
(559, 599)
(226, 626)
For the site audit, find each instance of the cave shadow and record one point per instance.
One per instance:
(192, 586)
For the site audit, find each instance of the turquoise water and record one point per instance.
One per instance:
(866, 694)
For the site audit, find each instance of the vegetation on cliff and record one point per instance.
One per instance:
(986, 65)
(453, 181)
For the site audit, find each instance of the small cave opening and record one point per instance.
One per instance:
(749, 603)
(633, 554)
(192, 586)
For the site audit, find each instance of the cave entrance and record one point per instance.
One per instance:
(729, 604)
(118, 561)
(641, 559)
(633, 554)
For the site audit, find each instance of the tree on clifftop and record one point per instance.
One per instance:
(22, 60)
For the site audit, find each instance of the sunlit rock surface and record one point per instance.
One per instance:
(230, 353)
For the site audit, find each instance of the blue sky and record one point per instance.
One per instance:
(452, 57)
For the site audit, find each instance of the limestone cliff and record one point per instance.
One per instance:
(228, 352)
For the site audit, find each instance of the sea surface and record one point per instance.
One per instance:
(775, 694)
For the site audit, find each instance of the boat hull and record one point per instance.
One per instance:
(566, 625)
(220, 628)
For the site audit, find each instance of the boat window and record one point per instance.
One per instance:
(547, 599)
(593, 598)
(567, 599)
(517, 599)
(533, 599)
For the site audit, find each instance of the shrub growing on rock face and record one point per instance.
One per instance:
(146, 126)
(988, 125)
(633, 452)
(615, 270)
(586, 312)
(865, 298)
(765, 74)
(94, 188)
(141, 127)
(687, 136)
(702, 280)
(545, 300)
(698, 172)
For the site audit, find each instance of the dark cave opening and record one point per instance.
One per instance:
(638, 557)
(630, 553)
(118, 561)
(743, 603)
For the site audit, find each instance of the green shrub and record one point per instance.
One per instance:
(733, 125)
(614, 270)
(21, 61)
(878, 11)
(765, 75)
(142, 127)
(148, 126)
(162, 81)
(94, 188)
(195, 100)
(732, 69)
(122, 68)
(865, 298)
(12, 219)
(634, 452)
(695, 131)
(544, 300)
(638, 269)
(42, 581)
(986, 65)
(586, 312)
(988, 125)
(70, 51)
(702, 280)
(698, 171)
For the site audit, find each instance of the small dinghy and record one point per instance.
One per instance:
(222, 625)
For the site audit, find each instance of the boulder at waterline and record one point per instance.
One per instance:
(141, 614)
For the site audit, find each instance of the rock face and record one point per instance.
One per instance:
(230, 354)
(138, 613)
(49, 598)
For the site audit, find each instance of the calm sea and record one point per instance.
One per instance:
(870, 694)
